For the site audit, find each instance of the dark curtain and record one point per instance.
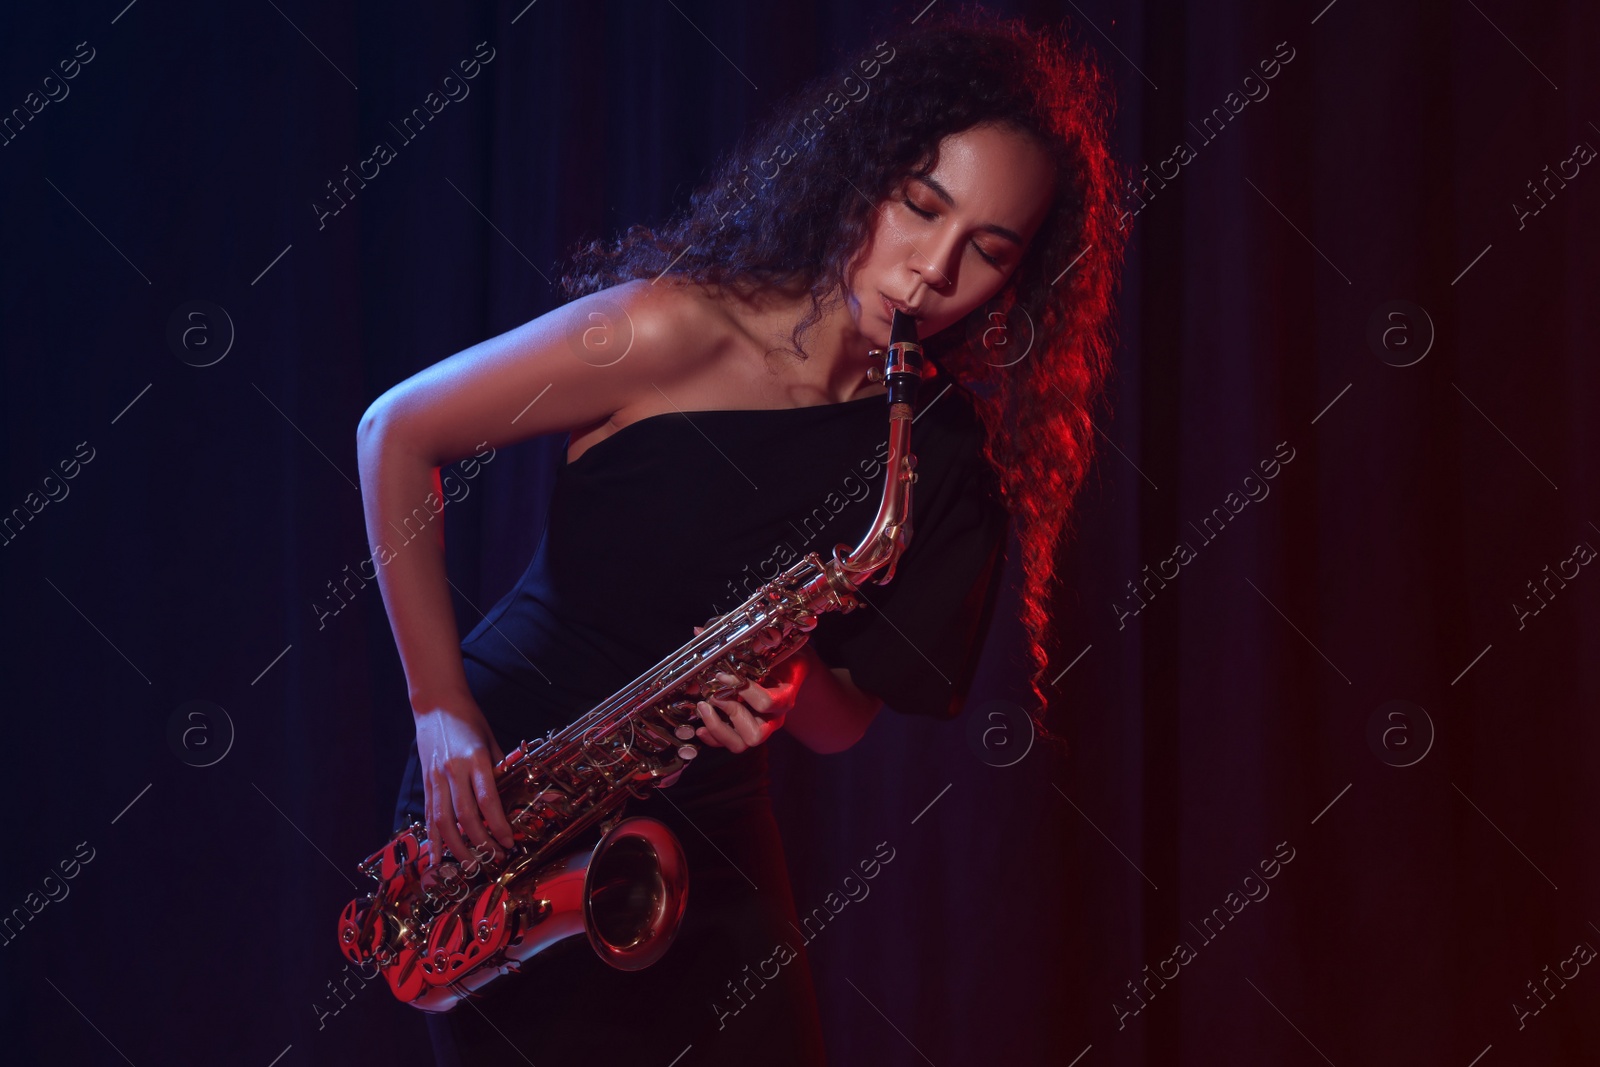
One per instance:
(1325, 651)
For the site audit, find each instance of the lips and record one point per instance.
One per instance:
(890, 306)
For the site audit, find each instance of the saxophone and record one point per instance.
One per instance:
(439, 932)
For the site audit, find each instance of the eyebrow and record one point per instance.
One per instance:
(944, 194)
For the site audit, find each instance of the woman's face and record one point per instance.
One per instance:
(945, 242)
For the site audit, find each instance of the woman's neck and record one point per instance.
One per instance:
(836, 361)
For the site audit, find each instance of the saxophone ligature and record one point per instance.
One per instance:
(439, 932)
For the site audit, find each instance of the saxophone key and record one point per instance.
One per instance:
(650, 736)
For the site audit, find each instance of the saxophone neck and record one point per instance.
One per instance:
(904, 368)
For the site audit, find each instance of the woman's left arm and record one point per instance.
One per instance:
(819, 705)
(830, 713)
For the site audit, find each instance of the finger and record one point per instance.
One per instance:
(494, 815)
(751, 727)
(752, 693)
(436, 843)
(465, 799)
(428, 823)
(431, 819)
(710, 719)
(764, 724)
(705, 735)
(721, 730)
(442, 832)
(746, 724)
(732, 707)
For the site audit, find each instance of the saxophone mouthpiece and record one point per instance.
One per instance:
(905, 367)
(902, 328)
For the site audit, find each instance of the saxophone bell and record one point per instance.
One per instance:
(635, 890)
(626, 896)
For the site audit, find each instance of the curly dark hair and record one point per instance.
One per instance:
(842, 144)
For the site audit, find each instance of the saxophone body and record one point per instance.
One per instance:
(440, 932)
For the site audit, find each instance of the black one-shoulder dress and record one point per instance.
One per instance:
(651, 531)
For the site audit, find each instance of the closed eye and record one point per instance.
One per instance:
(987, 258)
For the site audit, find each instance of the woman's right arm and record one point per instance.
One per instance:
(559, 371)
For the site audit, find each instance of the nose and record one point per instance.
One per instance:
(933, 260)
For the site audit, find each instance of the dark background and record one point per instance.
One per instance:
(1231, 717)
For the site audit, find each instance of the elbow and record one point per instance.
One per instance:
(403, 424)
(376, 420)
(385, 426)
(370, 428)
(385, 440)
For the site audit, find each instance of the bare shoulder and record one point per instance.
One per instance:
(675, 323)
(694, 345)
(592, 361)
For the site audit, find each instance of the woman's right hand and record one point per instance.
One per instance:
(458, 754)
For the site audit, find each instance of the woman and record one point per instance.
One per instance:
(712, 376)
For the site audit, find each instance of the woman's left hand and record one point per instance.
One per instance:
(755, 711)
